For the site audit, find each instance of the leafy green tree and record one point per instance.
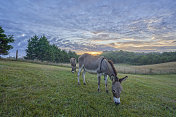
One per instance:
(39, 48)
(43, 49)
(58, 55)
(4, 42)
(72, 55)
(52, 52)
(32, 48)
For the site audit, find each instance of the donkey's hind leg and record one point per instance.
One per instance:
(79, 71)
(105, 78)
(84, 72)
(98, 77)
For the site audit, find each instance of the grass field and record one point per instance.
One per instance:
(29, 89)
(162, 68)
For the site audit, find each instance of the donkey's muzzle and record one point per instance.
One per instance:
(116, 100)
(117, 103)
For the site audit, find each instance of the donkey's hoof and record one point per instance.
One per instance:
(107, 91)
(84, 83)
(98, 90)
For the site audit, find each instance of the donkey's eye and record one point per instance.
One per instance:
(113, 91)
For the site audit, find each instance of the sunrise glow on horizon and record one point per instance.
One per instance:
(92, 26)
(92, 53)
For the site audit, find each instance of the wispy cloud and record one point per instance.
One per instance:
(93, 25)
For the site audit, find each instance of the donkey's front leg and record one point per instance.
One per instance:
(105, 78)
(98, 77)
(84, 81)
(79, 71)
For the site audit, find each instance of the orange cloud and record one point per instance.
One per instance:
(94, 53)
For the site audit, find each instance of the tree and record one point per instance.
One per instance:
(4, 40)
(72, 54)
(40, 48)
(139, 58)
(44, 49)
(32, 48)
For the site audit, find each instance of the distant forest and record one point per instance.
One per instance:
(41, 49)
(139, 58)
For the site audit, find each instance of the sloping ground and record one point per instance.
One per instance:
(28, 89)
(163, 68)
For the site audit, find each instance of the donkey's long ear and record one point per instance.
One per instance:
(123, 79)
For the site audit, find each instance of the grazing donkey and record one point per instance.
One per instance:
(73, 64)
(101, 66)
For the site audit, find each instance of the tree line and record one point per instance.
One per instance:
(139, 58)
(4, 42)
(41, 49)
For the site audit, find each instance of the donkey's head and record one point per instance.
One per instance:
(117, 88)
(116, 83)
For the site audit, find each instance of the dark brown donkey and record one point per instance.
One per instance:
(101, 66)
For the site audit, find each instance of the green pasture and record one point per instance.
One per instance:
(36, 90)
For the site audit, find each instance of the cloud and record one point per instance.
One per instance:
(94, 25)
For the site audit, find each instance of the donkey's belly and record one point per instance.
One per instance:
(91, 71)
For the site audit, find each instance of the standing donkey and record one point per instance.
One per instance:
(73, 64)
(101, 66)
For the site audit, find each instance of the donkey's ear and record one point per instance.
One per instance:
(123, 79)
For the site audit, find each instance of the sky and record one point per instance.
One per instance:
(92, 25)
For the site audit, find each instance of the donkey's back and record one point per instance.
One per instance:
(89, 62)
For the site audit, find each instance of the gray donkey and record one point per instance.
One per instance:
(73, 64)
(101, 66)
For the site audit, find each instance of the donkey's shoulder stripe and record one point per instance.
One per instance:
(101, 63)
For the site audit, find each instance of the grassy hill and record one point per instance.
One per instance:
(139, 58)
(162, 68)
(29, 89)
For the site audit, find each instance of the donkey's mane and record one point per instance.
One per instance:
(112, 65)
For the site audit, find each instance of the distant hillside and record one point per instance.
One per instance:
(139, 58)
(162, 68)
